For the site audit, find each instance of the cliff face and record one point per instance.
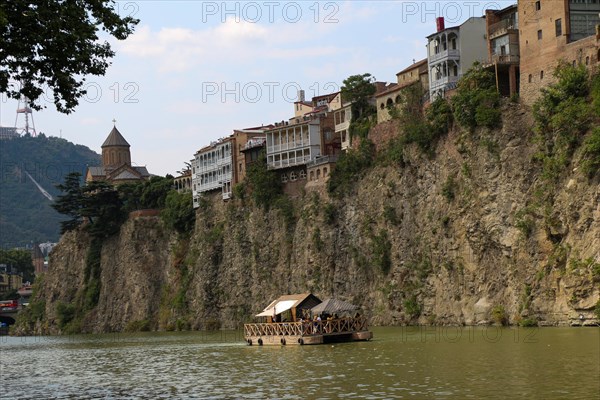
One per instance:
(458, 238)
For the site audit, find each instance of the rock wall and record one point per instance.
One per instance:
(453, 239)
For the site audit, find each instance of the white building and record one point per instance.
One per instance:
(289, 145)
(212, 169)
(342, 118)
(452, 51)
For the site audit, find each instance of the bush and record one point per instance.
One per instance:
(591, 153)
(330, 213)
(528, 322)
(350, 166)
(382, 252)
(476, 102)
(411, 307)
(65, 313)
(178, 213)
(499, 315)
(449, 188)
(563, 114)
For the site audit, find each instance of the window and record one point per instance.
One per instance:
(558, 26)
(538, 5)
(540, 34)
(324, 172)
(530, 78)
(284, 178)
(587, 60)
(302, 174)
(541, 75)
(293, 176)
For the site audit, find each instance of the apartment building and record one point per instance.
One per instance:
(551, 30)
(417, 72)
(212, 169)
(502, 27)
(452, 51)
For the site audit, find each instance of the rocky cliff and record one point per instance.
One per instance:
(454, 238)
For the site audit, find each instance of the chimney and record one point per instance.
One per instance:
(300, 95)
(439, 21)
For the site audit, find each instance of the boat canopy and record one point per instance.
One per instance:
(330, 306)
(277, 308)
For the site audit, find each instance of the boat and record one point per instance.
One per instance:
(303, 319)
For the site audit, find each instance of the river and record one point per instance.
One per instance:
(399, 363)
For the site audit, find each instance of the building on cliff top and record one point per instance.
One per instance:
(502, 27)
(116, 162)
(417, 73)
(452, 51)
(553, 30)
(221, 164)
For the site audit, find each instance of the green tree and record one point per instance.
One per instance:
(103, 209)
(19, 259)
(476, 102)
(179, 211)
(55, 44)
(70, 202)
(264, 185)
(358, 89)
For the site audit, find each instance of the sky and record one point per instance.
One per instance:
(194, 71)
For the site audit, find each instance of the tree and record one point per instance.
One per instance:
(103, 208)
(357, 89)
(19, 259)
(70, 202)
(55, 44)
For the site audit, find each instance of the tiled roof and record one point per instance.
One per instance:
(415, 65)
(97, 171)
(115, 139)
(142, 171)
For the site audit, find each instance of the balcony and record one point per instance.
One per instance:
(502, 28)
(290, 162)
(322, 160)
(443, 81)
(505, 59)
(444, 54)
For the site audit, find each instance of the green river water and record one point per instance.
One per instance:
(399, 363)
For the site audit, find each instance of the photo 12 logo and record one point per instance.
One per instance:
(453, 11)
(254, 92)
(270, 11)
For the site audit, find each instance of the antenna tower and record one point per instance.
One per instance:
(23, 108)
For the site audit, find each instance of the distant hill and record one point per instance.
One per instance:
(25, 212)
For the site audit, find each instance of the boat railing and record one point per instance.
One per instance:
(307, 328)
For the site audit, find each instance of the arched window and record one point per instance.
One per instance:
(324, 172)
(389, 102)
(530, 78)
(397, 99)
(382, 106)
(284, 178)
(302, 174)
(318, 174)
(293, 176)
(541, 74)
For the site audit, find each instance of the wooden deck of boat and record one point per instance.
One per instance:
(307, 332)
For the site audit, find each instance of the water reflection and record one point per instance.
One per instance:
(400, 363)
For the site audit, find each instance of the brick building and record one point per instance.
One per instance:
(550, 30)
(502, 28)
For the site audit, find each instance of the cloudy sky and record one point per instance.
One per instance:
(194, 71)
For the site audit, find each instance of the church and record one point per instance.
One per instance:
(116, 162)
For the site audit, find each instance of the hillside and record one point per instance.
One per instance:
(25, 213)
